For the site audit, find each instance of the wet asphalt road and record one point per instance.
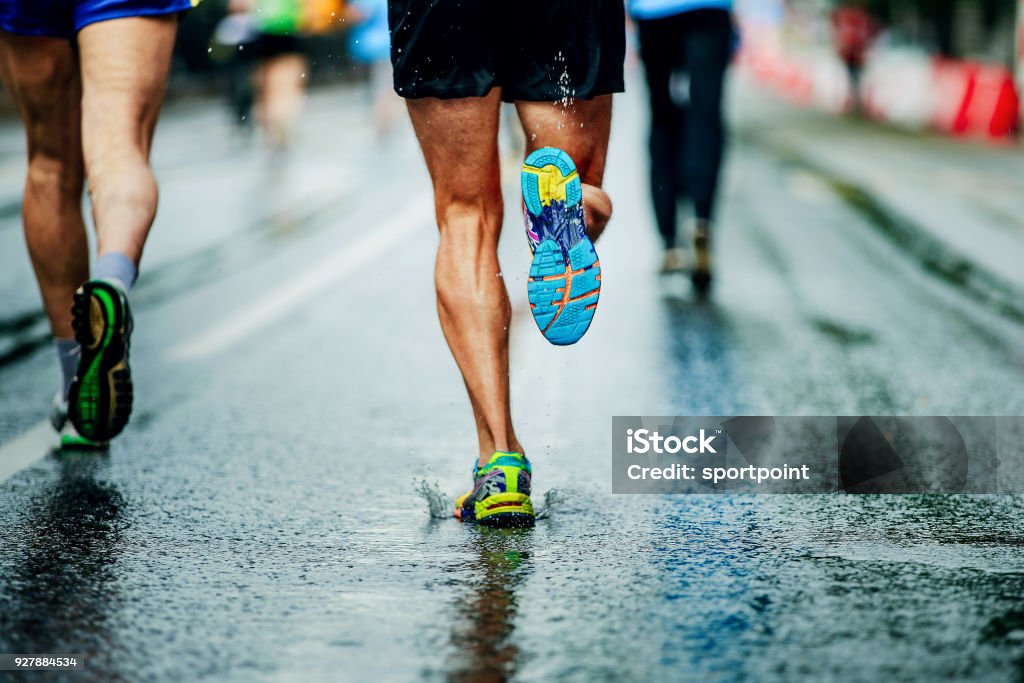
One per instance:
(268, 514)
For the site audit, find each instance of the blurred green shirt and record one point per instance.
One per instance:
(277, 16)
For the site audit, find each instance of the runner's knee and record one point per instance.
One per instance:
(118, 125)
(468, 211)
(50, 175)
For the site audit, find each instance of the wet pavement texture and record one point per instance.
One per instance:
(277, 509)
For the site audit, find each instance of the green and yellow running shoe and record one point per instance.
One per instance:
(100, 398)
(501, 493)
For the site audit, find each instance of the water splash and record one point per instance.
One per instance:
(564, 84)
(439, 504)
(552, 499)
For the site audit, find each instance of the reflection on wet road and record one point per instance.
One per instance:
(60, 564)
(483, 640)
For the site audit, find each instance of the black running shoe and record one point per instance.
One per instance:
(100, 398)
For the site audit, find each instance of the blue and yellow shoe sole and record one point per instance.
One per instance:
(565, 276)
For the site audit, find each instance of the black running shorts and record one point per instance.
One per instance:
(534, 50)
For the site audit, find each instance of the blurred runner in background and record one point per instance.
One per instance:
(853, 30)
(685, 46)
(280, 75)
(559, 62)
(370, 44)
(281, 27)
(88, 78)
(231, 47)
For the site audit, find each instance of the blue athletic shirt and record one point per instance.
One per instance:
(370, 40)
(657, 9)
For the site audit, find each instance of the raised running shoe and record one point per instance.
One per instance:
(565, 276)
(501, 493)
(100, 398)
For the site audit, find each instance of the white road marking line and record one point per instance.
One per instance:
(344, 262)
(25, 450)
(36, 443)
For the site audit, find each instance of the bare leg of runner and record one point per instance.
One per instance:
(42, 76)
(124, 72)
(580, 128)
(282, 86)
(471, 298)
(124, 65)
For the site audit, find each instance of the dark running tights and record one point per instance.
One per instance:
(685, 57)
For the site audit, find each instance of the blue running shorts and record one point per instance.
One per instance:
(65, 18)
